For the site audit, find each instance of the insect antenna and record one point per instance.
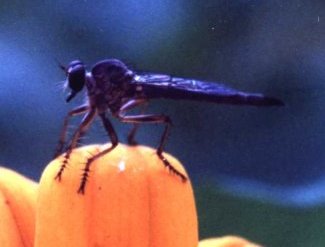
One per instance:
(60, 65)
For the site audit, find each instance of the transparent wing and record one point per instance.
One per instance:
(165, 86)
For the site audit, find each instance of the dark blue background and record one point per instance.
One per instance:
(272, 47)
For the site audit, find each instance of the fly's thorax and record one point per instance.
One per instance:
(90, 84)
(108, 84)
(111, 71)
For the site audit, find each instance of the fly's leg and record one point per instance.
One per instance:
(135, 127)
(131, 135)
(114, 140)
(128, 106)
(85, 123)
(136, 120)
(74, 112)
(156, 119)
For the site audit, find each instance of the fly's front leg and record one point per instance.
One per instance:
(156, 119)
(114, 140)
(79, 110)
(85, 123)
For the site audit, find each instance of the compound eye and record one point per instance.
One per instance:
(76, 78)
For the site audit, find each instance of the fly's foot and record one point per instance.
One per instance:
(171, 168)
(84, 180)
(62, 168)
(64, 165)
(86, 169)
(85, 176)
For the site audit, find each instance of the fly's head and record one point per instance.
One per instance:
(76, 77)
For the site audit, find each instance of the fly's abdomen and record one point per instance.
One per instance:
(163, 86)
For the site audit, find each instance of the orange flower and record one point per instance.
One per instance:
(130, 200)
(17, 209)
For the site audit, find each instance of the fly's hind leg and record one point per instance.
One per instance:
(156, 119)
(114, 140)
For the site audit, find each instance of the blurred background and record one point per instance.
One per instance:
(257, 172)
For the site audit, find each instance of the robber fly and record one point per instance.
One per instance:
(113, 88)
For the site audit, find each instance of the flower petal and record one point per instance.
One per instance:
(17, 209)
